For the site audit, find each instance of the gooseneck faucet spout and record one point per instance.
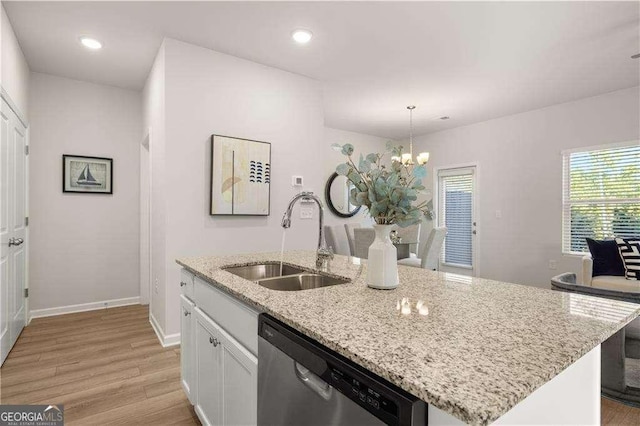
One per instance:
(323, 254)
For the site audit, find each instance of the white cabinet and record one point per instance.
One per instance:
(227, 376)
(208, 372)
(219, 344)
(239, 379)
(187, 348)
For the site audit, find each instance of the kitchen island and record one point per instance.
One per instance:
(476, 351)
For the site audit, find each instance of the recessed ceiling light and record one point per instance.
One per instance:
(301, 36)
(90, 43)
(445, 117)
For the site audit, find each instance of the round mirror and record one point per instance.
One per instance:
(337, 195)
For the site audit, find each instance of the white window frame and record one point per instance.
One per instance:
(566, 185)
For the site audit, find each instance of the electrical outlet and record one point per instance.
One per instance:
(306, 213)
(553, 265)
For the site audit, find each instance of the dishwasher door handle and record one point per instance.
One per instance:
(312, 381)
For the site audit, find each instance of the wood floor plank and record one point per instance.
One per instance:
(105, 366)
(613, 413)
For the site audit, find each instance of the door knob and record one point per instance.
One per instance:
(15, 241)
(182, 283)
(187, 313)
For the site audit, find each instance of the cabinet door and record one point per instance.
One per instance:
(208, 392)
(239, 380)
(187, 349)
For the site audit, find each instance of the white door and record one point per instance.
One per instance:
(13, 231)
(457, 193)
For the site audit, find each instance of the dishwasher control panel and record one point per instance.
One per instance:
(363, 393)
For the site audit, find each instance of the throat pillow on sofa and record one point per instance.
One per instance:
(606, 258)
(629, 249)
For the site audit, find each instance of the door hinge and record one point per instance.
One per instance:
(26, 292)
(26, 221)
(26, 150)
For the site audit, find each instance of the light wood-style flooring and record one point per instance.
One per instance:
(106, 367)
(614, 413)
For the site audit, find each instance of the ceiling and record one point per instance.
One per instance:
(471, 61)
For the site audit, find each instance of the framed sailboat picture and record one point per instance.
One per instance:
(89, 175)
(240, 179)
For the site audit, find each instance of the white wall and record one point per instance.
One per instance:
(14, 71)
(84, 248)
(154, 124)
(520, 174)
(211, 93)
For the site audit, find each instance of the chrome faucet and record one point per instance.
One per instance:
(323, 254)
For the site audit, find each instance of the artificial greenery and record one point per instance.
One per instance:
(389, 193)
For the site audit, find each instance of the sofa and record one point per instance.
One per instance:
(621, 350)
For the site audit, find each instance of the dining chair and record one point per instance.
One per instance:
(430, 255)
(336, 238)
(363, 238)
(411, 234)
(349, 227)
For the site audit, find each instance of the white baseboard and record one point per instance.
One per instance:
(48, 312)
(165, 341)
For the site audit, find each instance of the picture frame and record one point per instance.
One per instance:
(87, 175)
(239, 177)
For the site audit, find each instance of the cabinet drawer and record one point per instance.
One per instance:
(186, 283)
(236, 318)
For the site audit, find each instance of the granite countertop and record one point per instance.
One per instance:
(482, 347)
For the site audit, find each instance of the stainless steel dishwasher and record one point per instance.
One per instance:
(301, 382)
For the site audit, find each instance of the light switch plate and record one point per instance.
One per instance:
(297, 180)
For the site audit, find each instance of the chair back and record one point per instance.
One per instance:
(349, 227)
(431, 251)
(410, 234)
(363, 237)
(336, 238)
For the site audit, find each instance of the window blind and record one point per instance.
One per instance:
(456, 213)
(601, 195)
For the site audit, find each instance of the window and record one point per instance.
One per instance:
(601, 195)
(456, 193)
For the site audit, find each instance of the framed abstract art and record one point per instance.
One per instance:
(240, 178)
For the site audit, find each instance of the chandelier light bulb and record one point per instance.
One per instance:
(423, 158)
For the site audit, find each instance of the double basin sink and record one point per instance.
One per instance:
(285, 278)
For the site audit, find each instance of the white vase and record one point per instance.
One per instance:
(382, 265)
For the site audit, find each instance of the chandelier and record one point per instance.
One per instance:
(407, 158)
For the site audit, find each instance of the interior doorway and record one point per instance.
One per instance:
(145, 220)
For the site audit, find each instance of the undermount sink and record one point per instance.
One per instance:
(299, 282)
(290, 278)
(263, 271)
